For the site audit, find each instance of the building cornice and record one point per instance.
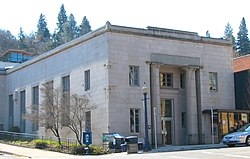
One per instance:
(149, 32)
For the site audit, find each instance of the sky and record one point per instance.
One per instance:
(187, 15)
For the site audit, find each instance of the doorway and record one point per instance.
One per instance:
(166, 121)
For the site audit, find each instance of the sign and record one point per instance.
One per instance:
(87, 137)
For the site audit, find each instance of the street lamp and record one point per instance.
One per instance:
(145, 92)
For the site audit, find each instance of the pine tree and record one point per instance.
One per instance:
(58, 36)
(243, 43)
(73, 29)
(228, 34)
(42, 34)
(62, 18)
(84, 27)
(21, 40)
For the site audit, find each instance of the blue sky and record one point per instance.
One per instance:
(189, 15)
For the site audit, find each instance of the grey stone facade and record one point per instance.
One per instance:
(108, 53)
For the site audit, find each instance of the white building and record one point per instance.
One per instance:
(186, 74)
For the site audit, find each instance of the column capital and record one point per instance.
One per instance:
(156, 65)
(191, 68)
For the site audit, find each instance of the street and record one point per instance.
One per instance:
(5, 156)
(220, 153)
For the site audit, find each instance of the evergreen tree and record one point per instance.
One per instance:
(243, 43)
(42, 34)
(73, 29)
(228, 34)
(66, 34)
(21, 35)
(21, 40)
(62, 18)
(84, 27)
(58, 36)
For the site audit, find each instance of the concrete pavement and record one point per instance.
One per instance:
(37, 153)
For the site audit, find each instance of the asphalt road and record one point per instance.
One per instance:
(5, 156)
(222, 153)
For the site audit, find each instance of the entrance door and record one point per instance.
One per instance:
(166, 121)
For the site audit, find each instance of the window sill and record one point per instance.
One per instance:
(170, 88)
(133, 133)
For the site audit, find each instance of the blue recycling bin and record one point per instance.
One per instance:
(124, 147)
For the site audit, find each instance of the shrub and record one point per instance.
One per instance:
(41, 145)
(78, 150)
(95, 150)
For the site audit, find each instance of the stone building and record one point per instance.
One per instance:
(186, 74)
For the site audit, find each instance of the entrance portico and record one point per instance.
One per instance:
(176, 102)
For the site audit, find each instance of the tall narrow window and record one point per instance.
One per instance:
(166, 108)
(166, 80)
(11, 111)
(134, 76)
(48, 93)
(35, 105)
(87, 80)
(22, 111)
(50, 98)
(88, 120)
(182, 80)
(134, 121)
(213, 82)
(183, 120)
(66, 84)
(66, 99)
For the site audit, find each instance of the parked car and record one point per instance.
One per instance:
(241, 136)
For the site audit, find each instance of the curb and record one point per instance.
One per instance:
(14, 154)
(202, 147)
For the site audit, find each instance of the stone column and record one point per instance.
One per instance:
(192, 122)
(155, 100)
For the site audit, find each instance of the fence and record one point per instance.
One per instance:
(23, 139)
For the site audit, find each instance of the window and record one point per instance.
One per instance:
(183, 120)
(11, 111)
(66, 84)
(35, 95)
(35, 105)
(166, 80)
(87, 80)
(134, 75)
(65, 99)
(166, 108)
(88, 120)
(50, 98)
(22, 111)
(134, 121)
(182, 80)
(213, 82)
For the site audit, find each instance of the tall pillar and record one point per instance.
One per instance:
(155, 100)
(192, 120)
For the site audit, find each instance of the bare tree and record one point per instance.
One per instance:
(57, 109)
(79, 105)
(48, 114)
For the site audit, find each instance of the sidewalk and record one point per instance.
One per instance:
(37, 153)
(31, 152)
